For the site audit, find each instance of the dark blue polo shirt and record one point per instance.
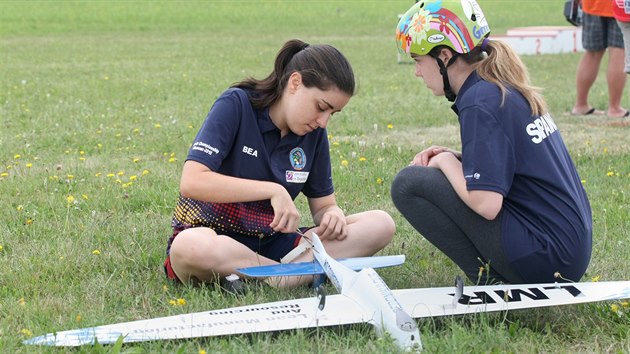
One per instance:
(240, 141)
(546, 217)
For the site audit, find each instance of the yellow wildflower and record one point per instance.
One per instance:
(344, 163)
(96, 252)
(145, 172)
(181, 301)
(70, 199)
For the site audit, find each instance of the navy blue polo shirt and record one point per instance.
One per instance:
(546, 217)
(240, 141)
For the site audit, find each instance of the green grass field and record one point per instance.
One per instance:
(100, 100)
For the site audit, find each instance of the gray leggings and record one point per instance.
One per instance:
(427, 200)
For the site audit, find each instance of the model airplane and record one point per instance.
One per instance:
(364, 298)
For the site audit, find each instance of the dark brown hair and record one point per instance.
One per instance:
(321, 66)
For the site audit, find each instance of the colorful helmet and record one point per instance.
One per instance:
(459, 24)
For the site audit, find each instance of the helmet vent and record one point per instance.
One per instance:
(473, 18)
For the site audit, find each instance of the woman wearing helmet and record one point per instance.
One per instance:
(511, 202)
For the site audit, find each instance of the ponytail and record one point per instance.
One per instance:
(499, 64)
(321, 66)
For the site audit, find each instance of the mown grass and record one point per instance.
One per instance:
(100, 100)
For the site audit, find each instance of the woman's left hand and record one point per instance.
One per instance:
(332, 225)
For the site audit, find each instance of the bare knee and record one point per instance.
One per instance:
(191, 254)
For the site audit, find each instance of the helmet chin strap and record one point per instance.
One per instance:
(448, 92)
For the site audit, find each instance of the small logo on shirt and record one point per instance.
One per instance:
(205, 148)
(475, 175)
(297, 158)
(296, 177)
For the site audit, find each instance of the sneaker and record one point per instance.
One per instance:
(233, 284)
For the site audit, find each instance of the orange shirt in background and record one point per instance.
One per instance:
(598, 7)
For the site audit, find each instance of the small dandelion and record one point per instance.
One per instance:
(26, 332)
(22, 302)
(335, 143)
(596, 278)
(172, 302)
(158, 125)
(20, 207)
(583, 181)
(121, 173)
(1, 248)
(96, 252)
(390, 126)
(70, 177)
(610, 173)
(105, 77)
(614, 308)
(4, 174)
(17, 156)
(202, 351)
(70, 199)
(181, 301)
(78, 318)
(362, 159)
(172, 159)
(110, 175)
(84, 196)
(81, 158)
(133, 178)
(97, 174)
(165, 288)
(29, 165)
(136, 160)
(344, 163)
(145, 172)
(379, 180)
(28, 222)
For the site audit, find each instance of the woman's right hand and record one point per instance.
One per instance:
(286, 217)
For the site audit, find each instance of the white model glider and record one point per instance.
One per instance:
(363, 298)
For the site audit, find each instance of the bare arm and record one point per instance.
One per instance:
(485, 203)
(199, 182)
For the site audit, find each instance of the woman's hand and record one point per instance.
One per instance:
(286, 218)
(332, 224)
(423, 158)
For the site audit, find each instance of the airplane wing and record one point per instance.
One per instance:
(433, 302)
(313, 268)
(338, 310)
(273, 316)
